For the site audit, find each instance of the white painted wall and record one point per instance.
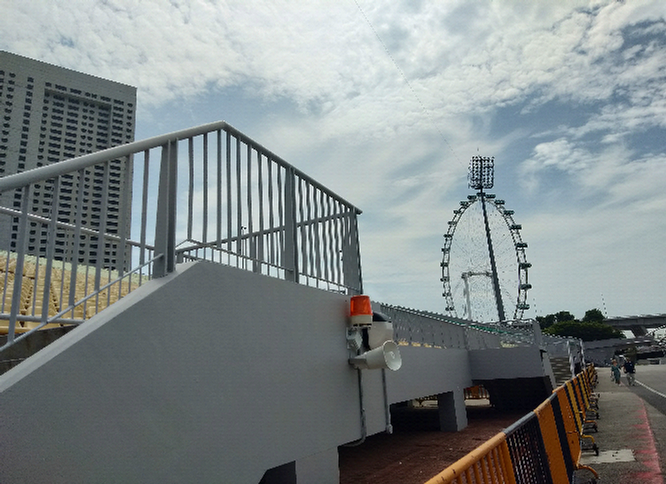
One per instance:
(502, 363)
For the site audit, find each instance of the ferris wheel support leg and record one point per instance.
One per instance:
(493, 265)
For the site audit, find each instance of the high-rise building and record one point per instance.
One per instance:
(49, 114)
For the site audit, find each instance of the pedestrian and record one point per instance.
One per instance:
(630, 371)
(615, 372)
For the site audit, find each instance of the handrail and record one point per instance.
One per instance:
(18, 180)
(69, 225)
(57, 318)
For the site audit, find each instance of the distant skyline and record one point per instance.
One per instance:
(384, 102)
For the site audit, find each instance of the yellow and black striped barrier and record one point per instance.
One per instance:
(544, 446)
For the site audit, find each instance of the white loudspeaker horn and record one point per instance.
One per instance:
(385, 356)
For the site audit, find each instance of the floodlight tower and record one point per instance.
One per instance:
(481, 175)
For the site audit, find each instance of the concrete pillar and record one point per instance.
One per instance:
(452, 412)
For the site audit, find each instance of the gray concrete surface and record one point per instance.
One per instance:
(189, 375)
(632, 432)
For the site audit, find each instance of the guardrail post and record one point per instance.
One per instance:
(165, 225)
(538, 335)
(290, 255)
(351, 259)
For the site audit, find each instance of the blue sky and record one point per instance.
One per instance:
(567, 96)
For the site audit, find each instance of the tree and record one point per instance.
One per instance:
(546, 321)
(563, 316)
(591, 328)
(587, 331)
(593, 316)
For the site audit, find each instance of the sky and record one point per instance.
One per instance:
(386, 101)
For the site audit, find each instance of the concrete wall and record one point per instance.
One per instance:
(499, 363)
(15, 354)
(516, 378)
(212, 374)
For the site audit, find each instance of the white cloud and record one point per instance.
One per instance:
(388, 99)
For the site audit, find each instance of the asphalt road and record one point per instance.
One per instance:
(651, 385)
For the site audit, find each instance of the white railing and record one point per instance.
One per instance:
(421, 328)
(77, 235)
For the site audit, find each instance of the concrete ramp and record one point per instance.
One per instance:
(211, 374)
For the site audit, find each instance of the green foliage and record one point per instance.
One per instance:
(593, 316)
(546, 321)
(587, 331)
(591, 328)
(563, 316)
(550, 319)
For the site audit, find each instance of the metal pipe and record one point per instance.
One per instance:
(387, 408)
(364, 430)
(18, 180)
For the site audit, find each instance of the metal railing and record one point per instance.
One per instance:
(69, 246)
(513, 333)
(422, 328)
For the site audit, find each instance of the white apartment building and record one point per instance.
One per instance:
(49, 114)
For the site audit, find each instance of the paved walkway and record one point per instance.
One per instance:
(631, 436)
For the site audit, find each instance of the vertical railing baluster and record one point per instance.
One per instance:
(312, 229)
(271, 213)
(302, 225)
(50, 249)
(218, 240)
(312, 222)
(190, 187)
(144, 212)
(101, 237)
(35, 284)
(239, 204)
(328, 237)
(251, 241)
(317, 222)
(281, 234)
(229, 219)
(124, 221)
(204, 234)
(260, 184)
(165, 230)
(77, 240)
(339, 210)
(21, 246)
(290, 244)
(5, 286)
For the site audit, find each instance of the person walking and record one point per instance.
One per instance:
(630, 371)
(615, 372)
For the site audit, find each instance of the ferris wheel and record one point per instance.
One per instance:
(484, 266)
